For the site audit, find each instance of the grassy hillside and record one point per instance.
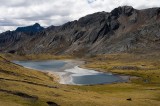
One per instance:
(35, 56)
(24, 87)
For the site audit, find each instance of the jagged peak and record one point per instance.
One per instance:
(32, 28)
(127, 10)
(36, 24)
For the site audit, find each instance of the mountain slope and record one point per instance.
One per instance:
(13, 38)
(124, 29)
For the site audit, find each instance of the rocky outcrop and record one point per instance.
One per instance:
(124, 29)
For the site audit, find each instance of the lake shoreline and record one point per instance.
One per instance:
(69, 64)
(75, 70)
(81, 64)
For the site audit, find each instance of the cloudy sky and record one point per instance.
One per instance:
(15, 13)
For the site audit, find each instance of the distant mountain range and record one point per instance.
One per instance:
(30, 29)
(124, 29)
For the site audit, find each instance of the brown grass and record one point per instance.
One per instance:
(143, 91)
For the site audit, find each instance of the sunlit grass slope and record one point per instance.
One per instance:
(24, 87)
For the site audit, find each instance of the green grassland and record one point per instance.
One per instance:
(36, 57)
(25, 87)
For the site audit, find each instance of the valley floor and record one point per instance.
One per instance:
(25, 87)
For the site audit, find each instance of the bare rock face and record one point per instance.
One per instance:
(133, 18)
(114, 25)
(124, 29)
(126, 10)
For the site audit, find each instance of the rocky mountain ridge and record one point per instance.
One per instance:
(11, 38)
(124, 29)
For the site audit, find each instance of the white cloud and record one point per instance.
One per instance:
(14, 13)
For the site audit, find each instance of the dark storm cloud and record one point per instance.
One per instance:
(7, 23)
